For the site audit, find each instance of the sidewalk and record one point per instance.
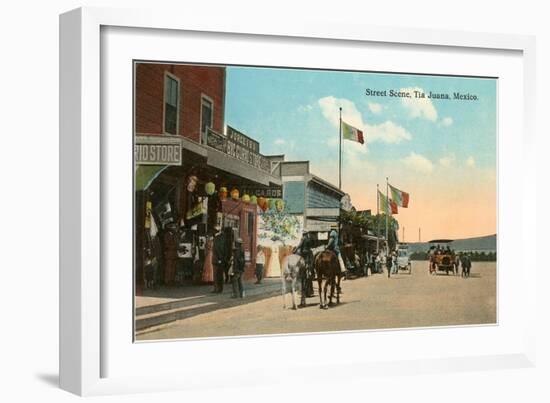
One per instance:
(163, 305)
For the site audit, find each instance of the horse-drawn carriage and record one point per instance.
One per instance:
(442, 258)
(358, 250)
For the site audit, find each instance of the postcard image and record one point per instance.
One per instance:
(276, 200)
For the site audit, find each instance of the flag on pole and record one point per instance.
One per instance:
(387, 205)
(351, 133)
(399, 197)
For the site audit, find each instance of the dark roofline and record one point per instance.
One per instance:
(326, 184)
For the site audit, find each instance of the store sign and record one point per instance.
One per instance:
(239, 146)
(157, 150)
(243, 140)
(274, 192)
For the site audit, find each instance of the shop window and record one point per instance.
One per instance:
(171, 104)
(207, 116)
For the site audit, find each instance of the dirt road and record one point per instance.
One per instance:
(374, 302)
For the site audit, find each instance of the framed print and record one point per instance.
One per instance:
(229, 189)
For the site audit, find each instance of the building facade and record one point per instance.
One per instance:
(314, 200)
(192, 173)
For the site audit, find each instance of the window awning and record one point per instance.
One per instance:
(146, 174)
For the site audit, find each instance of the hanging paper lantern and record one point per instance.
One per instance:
(210, 188)
(279, 205)
(262, 203)
(253, 199)
(246, 198)
(223, 193)
(235, 194)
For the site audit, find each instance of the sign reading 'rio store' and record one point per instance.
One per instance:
(157, 150)
(240, 146)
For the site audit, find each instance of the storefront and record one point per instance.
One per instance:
(180, 200)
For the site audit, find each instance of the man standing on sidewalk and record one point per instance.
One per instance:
(219, 260)
(238, 269)
(260, 262)
(170, 254)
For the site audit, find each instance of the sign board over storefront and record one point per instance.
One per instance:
(239, 146)
(266, 191)
(157, 150)
(243, 140)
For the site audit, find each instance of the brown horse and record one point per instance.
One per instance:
(327, 268)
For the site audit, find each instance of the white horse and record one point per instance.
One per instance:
(292, 270)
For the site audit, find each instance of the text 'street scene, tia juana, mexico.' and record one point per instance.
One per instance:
(278, 200)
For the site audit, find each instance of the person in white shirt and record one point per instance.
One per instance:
(260, 262)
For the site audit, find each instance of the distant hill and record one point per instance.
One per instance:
(479, 244)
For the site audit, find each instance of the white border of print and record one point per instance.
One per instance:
(97, 355)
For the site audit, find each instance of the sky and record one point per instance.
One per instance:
(442, 152)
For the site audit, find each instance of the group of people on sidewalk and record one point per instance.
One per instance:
(229, 264)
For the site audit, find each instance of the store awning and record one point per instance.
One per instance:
(146, 174)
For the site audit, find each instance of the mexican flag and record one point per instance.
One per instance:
(351, 133)
(400, 197)
(387, 205)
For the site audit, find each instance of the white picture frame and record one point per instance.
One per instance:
(85, 342)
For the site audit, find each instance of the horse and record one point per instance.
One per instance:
(327, 268)
(294, 269)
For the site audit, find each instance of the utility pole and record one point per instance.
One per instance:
(419, 237)
(340, 152)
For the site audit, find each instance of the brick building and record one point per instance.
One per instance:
(184, 156)
(179, 99)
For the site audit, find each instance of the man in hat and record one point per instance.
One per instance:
(304, 250)
(170, 253)
(238, 269)
(334, 245)
(219, 259)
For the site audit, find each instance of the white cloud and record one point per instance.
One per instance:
(470, 162)
(330, 109)
(419, 107)
(448, 160)
(387, 132)
(447, 121)
(280, 142)
(375, 108)
(418, 163)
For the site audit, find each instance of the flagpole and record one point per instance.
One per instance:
(377, 220)
(387, 213)
(340, 152)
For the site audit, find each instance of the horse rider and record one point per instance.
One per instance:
(334, 245)
(304, 250)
